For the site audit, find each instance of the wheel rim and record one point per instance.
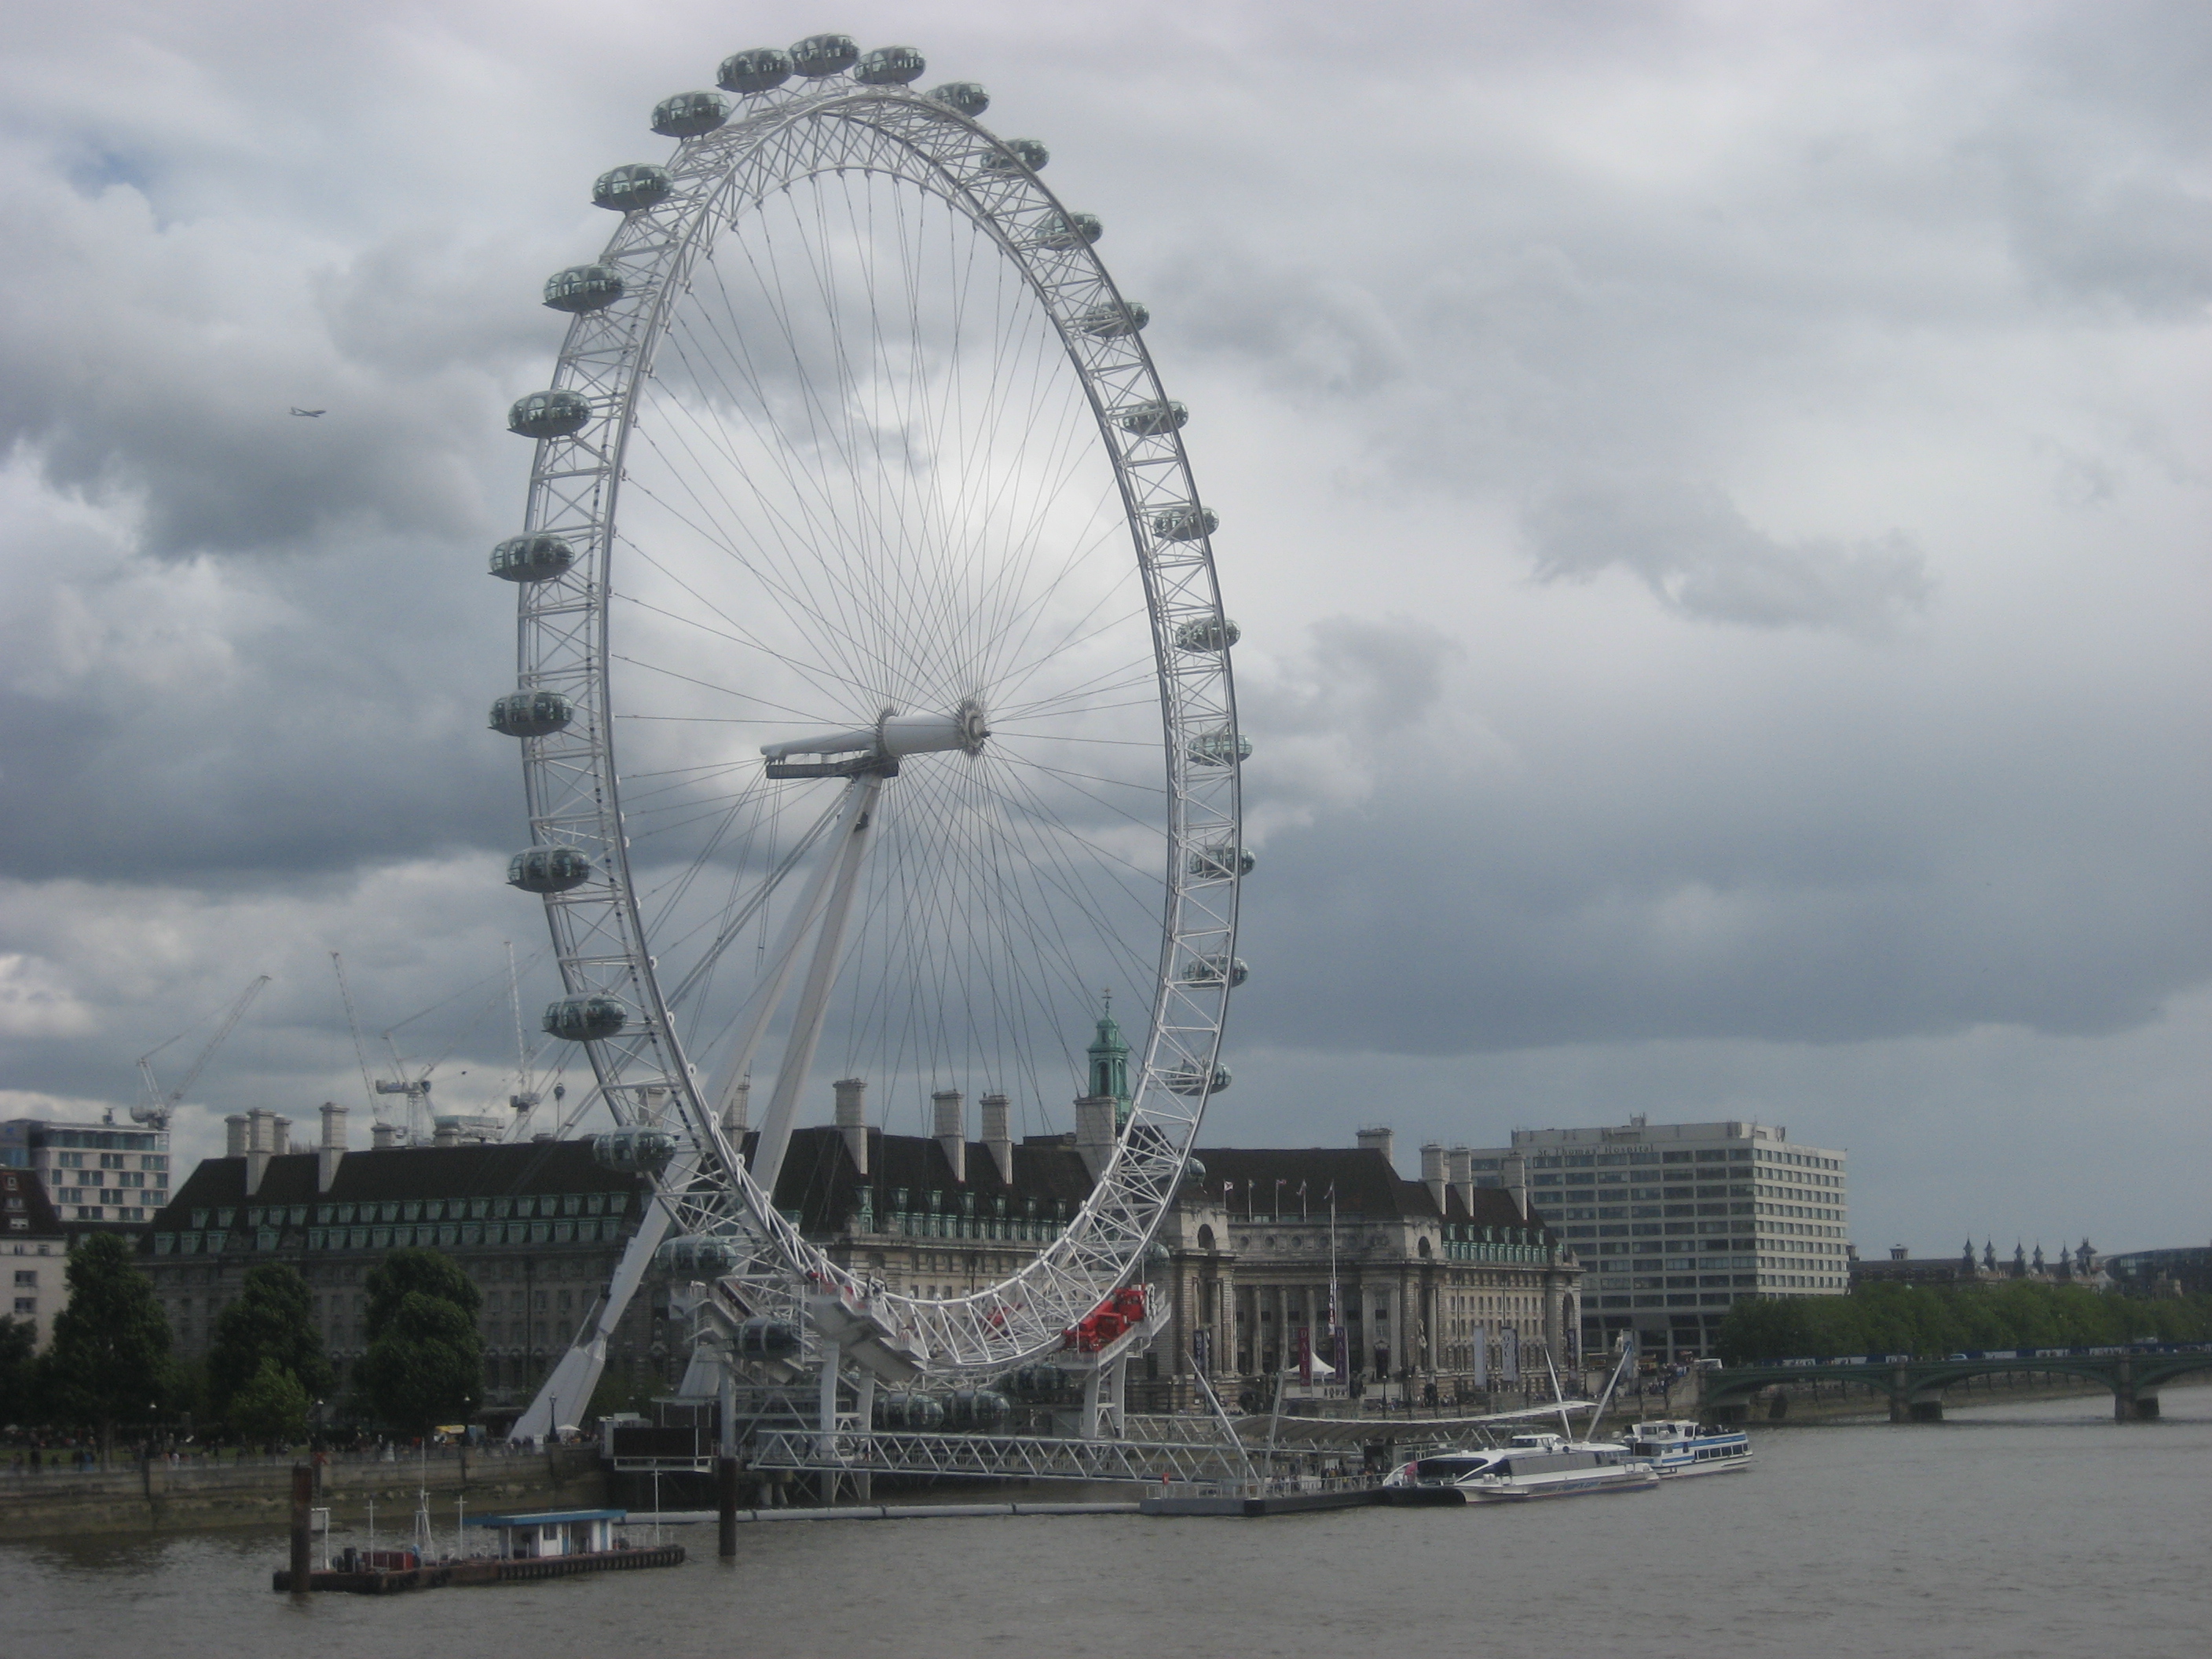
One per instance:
(979, 583)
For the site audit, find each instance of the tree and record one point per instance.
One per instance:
(271, 1408)
(425, 1361)
(273, 1321)
(18, 1348)
(109, 1360)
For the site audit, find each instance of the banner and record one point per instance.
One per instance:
(1481, 1356)
(1509, 1356)
(1306, 1356)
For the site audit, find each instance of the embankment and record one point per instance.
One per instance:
(155, 1497)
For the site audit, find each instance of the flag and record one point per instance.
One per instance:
(1306, 1356)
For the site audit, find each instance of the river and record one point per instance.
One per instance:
(2036, 1529)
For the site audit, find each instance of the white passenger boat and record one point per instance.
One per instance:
(1528, 1465)
(1679, 1446)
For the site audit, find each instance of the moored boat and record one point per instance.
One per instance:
(1680, 1446)
(1528, 1465)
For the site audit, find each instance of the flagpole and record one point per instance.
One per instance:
(1335, 1337)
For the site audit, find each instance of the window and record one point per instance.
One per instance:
(28, 1305)
(27, 1279)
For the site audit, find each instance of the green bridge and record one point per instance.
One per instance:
(1915, 1387)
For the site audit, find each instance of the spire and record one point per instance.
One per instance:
(1110, 1062)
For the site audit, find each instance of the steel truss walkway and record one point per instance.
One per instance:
(996, 1456)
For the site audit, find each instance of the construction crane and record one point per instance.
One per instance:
(160, 1108)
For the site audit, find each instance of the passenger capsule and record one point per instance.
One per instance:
(1153, 420)
(1043, 1385)
(966, 96)
(1015, 154)
(1193, 1080)
(637, 1149)
(632, 188)
(585, 1019)
(1219, 860)
(532, 558)
(1070, 230)
(549, 414)
(904, 1410)
(820, 56)
(1213, 969)
(531, 714)
(688, 114)
(767, 1339)
(1193, 1173)
(548, 869)
(1207, 634)
(889, 66)
(1185, 524)
(762, 69)
(977, 1409)
(580, 288)
(1113, 322)
(1220, 747)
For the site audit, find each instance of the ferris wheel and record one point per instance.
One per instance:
(874, 695)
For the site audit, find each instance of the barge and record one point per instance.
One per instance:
(543, 1544)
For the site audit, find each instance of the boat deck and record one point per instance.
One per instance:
(483, 1571)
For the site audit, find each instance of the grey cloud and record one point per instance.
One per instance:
(1353, 677)
(1697, 554)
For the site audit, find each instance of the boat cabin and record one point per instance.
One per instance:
(553, 1532)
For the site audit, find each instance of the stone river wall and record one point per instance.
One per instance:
(158, 1497)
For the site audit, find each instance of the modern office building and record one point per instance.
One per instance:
(1674, 1222)
(105, 1175)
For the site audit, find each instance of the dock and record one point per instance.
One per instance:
(393, 1581)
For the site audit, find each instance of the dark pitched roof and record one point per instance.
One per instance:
(25, 1200)
(402, 1172)
(1366, 1182)
(819, 1181)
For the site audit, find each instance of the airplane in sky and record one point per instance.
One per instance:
(312, 414)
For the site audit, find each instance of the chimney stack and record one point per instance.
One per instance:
(851, 1119)
(1383, 1141)
(1513, 1176)
(333, 1150)
(384, 1136)
(952, 1129)
(234, 1135)
(263, 1138)
(1459, 1169)
(1432, 1172)
(444, 1133)
(1094, 1131)
(735, 1109)
(999, 1135)
(281, 1136)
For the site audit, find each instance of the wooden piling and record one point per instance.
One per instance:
(726, 1494)
(303, 1522)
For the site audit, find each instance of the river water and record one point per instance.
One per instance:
(2040, 1528)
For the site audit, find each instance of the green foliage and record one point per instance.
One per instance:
(18, 1345)
(619, 1390)
(271, 1322)
(1929, 1320)
(109, 1360)
(424, 1365)
(426, 1272)
(271, 1408)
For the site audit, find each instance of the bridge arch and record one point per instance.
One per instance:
(1916, 1387)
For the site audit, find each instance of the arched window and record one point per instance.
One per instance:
(1205, 1237)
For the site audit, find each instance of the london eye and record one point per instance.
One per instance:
(874, 686)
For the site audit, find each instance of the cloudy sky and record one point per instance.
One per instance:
(1715, 496)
